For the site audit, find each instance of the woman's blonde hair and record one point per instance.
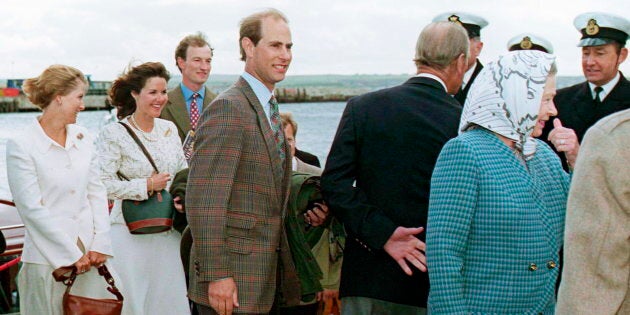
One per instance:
(55, 80)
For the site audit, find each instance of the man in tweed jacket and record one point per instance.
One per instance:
(239, 184)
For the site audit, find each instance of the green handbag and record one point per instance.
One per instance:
(154, 215)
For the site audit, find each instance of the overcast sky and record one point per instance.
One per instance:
(330, 36)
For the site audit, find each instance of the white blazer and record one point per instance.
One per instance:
(59, 195)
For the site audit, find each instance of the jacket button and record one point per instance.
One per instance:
(551, 264)
(533, 267)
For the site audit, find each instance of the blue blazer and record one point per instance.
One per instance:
(495, 228)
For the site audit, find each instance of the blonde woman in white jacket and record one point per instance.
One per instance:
(53, 175)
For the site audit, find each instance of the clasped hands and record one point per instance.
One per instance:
(88, 260)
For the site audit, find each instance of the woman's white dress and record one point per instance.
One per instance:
(149, 265)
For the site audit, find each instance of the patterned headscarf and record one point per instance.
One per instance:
(505, 97)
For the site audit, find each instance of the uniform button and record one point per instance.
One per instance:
(551, 264)
(72, 192)
(533, 267)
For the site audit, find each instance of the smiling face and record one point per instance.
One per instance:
(72, 103)
(152, 98)
(269, 60)
(196, 67)
(601, 63)
(547, 107)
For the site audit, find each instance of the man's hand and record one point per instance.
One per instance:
(177, 203)
(316, 216)
(405, 248)
(565, 140)
(223, 296)
(327, 294)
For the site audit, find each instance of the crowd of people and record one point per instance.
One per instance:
(459, 191)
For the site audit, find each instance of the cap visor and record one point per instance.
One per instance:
(594, 42)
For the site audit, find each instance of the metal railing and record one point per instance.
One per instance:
(15, 241)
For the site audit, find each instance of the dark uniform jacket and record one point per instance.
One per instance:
(577, 109)
(377, 178)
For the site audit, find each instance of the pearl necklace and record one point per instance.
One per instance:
(149, 136)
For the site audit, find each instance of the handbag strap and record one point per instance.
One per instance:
(144, 150)
(68, 276)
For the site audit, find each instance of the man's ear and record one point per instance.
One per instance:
(248, 46)
(180, 63)
(623, 54)
(462, 63)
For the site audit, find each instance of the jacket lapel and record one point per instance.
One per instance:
(265, 128)
(177, 108)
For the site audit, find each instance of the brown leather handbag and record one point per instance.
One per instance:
(80, 305)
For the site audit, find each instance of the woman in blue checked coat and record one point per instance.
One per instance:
(496, 211)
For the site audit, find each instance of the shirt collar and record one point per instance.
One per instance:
(188, 93)
(262, 92)
(606, 88)
(44, 143)
(434, 77)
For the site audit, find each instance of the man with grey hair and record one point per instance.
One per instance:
(378, 171)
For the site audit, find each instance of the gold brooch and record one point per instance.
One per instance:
(526, 43)
(591, 27)
(79, 136)
(167, 133)
(455, 19)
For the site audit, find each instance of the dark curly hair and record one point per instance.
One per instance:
(133, 81)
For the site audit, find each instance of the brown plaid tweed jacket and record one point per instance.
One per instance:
(235, 202)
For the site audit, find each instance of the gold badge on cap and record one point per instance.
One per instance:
(526, 43)
(455, 19)
(591, 27)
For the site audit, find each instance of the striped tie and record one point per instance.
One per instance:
(276, 126)
(194, 111)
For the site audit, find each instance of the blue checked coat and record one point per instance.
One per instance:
(495, 228)
(236, 201)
